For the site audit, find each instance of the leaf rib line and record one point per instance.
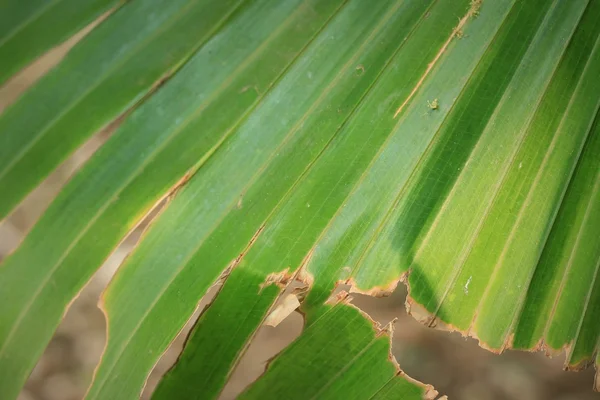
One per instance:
(471, 12)
(346, 367)
(389, 381)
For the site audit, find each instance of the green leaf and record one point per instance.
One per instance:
(449, 144)
(29, 28)
(111, 70)
(132, 172)
(473, 270)
(242, 202)
(281, 244)
(240, 304)
(563, 305)
(353, 240)
(339, 355)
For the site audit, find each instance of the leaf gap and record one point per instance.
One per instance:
(25, 78)
(267, 343)
(459, 368)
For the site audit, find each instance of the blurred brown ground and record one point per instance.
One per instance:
(456, 366)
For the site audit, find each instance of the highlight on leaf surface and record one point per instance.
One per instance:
(290, 143)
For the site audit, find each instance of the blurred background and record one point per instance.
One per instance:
(455, 366)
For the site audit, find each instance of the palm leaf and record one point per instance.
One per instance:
(452, 145)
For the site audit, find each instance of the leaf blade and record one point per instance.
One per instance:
(32, 28)
(119, 185)
(99, 79)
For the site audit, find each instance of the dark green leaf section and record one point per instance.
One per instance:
(30, 28)
(172, 133)
(203, 368)
(103, 76)
(401, 387)
(340, 355)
